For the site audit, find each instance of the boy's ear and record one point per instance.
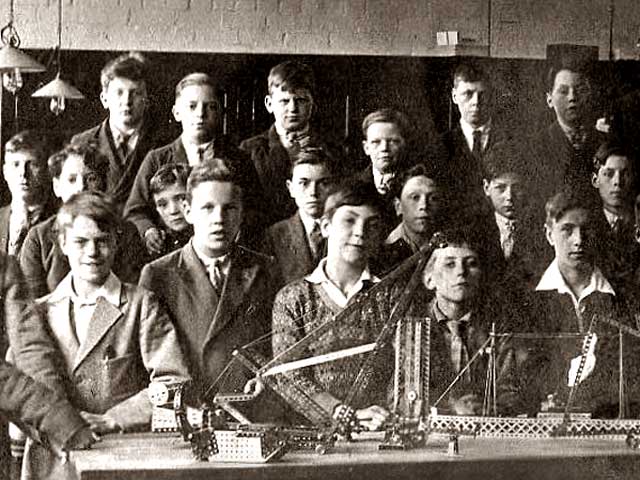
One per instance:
(549, 100)
(397, 206)
(547, 233)
(325, 227)
(268, 104)
(289, 183)
(454, 96)
(485, 186)
(103, 99)
(186, 211)
(62, 242)
(594, 180)
(176, 113)
(56, 186)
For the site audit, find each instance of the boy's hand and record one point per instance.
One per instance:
(372, 418)
(100, 423)
(154, 241)
(82, 439)
(468, 404)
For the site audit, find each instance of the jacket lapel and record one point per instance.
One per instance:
(236, 286)
(298, 236)
(4, 227)
(203, 298)
(104, 316)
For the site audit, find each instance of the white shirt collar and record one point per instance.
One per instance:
(223, 260)
(132, 136)
(503, 223)
(192, 151)
(282, 134)
(319, 276)
(468, 130)
(110, 290)
(382, 181)
(552, 279)
(308, 222)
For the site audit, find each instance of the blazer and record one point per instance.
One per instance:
(555, 163)
(126, 347)
(140, 209)
(5, 219)
(287, 242)
(211, 327)
(273, 166)
(120, 177)
(44, 265)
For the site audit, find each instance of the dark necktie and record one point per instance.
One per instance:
(16, 242)
(459, 354)
(123, 147)
(216, 276)
(316, 242)
(477, 144)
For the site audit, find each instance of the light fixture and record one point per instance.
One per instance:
(13, 62)
(58, 90)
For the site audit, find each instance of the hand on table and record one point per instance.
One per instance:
(82, 439)
(100, 423)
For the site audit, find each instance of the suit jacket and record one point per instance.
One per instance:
(140, 209)
(551, 312)
(120, 176)
(5, 219)
(126, 347)
(44, 265)
(452, 157)
(287, 242)
(211, 327)
(273, 165)
(555, 163)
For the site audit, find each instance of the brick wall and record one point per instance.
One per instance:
(519, 28)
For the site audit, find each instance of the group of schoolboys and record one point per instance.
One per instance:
(229, 244)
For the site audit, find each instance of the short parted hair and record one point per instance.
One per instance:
(451, 237)
(169, 175)
(568, 199)
(353, 192)
(33, 141)
(290, 76)
(97, 206)
(419, 170)
(570, 64)
(197, 78)
(469, 72)
(388, 115)
(91, 156)
(132, 66)
(608, 149)
(503, 158)
(211, 170)
(313, 155)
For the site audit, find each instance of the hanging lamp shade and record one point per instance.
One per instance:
(12, 59)
(58, 88)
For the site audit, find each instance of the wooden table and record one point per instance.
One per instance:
(165, 457)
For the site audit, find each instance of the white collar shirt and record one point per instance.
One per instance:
(467, 131)
(382, 181)
(319, 277)
(132, 136)
(223, 261)
(196, 153)
(81, 309)
(552, 279)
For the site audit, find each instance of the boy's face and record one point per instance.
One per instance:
(456, 274)
(25, 175)
(473, 101)
(215, 212)
(353, 234)
(126, 101)
(309, 187)
(506, 193)
(572, 238)
(569, 97)
(89, 250)
(420, 202)
(169, 203)
(613, 181)
(384, 145)
(291, 109)
(196, 109)
(76, 177)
